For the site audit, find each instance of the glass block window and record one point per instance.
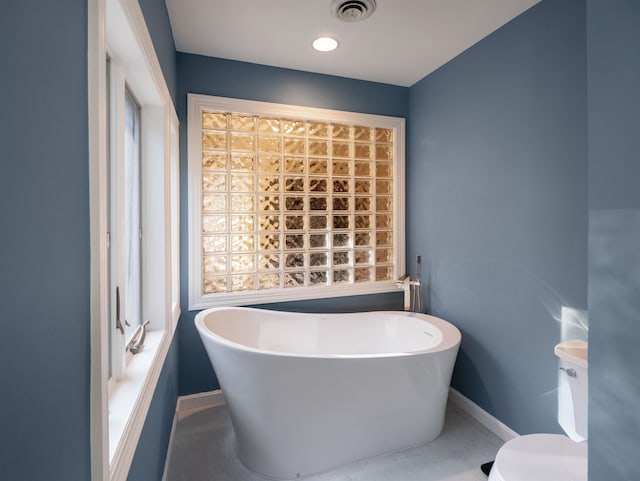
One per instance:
(288, 202)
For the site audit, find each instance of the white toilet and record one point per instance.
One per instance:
(554, 457)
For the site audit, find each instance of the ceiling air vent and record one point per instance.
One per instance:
(353, 10)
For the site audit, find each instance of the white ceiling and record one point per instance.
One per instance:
(403, 41)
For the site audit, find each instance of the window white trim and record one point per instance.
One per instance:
(116, 108)
(198, 103)
(118, 415)
(155, 235)
(173, 218)
(99, 289)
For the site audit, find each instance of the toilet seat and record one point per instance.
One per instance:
(536, 457)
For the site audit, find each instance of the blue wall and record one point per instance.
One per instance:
(44, 241)
(44, 247)
(613, 41)
(157, 20)
(225, 78)
(497, 196)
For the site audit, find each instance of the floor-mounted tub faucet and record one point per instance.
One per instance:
(410, 287)
(405, 282)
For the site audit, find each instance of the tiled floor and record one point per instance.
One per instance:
(203, 449)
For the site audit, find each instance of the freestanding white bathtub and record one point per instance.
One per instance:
(310, 392)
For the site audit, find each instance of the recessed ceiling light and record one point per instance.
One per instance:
(325, 44)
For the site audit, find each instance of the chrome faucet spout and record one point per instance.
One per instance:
(411, 290)
(404, 283)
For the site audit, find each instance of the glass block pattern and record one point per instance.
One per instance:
(290, 203)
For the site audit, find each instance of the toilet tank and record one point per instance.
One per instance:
(573, 388)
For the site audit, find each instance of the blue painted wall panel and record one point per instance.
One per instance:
(44, 241)
(497, 192)
(157, 19)
(226, 78)
(44, 250)
(613, 41)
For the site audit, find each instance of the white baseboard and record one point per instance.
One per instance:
(201, 400)
(493, 424)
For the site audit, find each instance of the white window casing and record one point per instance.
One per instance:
(117, 30)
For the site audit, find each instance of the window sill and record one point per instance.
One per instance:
(293, 294)
(130, 399)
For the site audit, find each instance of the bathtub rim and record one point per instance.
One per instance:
(451, 335)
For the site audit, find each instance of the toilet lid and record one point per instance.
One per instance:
(535, 457)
